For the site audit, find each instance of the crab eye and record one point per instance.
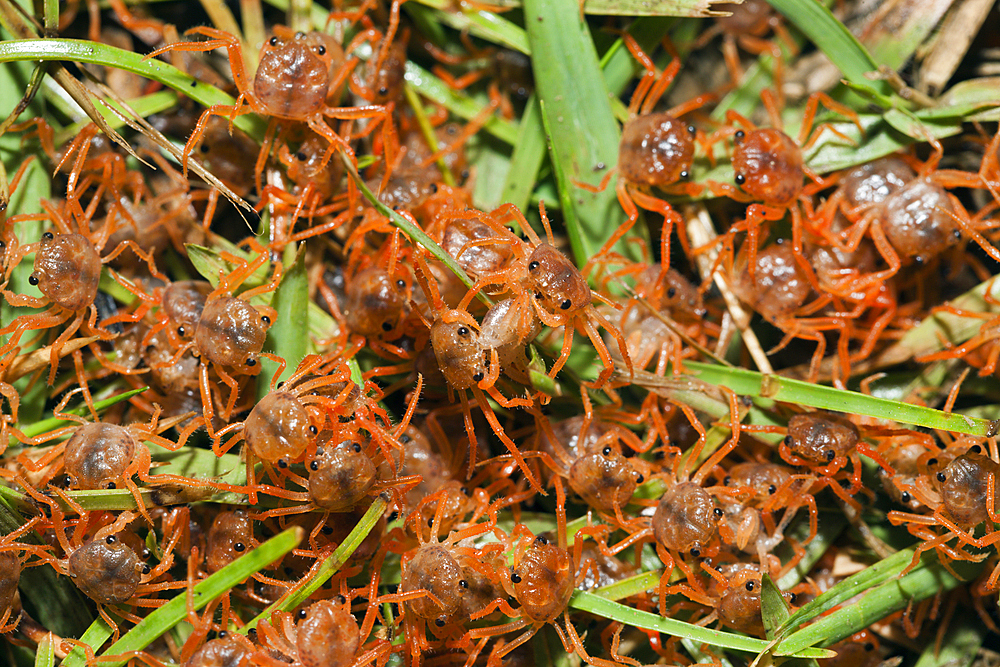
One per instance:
(273, 41)
(606, 451)
(566, 305)
(750, 586)
(48, 236)
(463, 331)
(251, 361)
(265, 319)
(740, 134)
(33, 279)
(672, 292)
(740, 179)
(321, 50)
(357, 448)
(532, 266)
(301, 156)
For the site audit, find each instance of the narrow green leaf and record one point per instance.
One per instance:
(32, 430)
(584, 133)
(147, 105)
(288, 337)
(482, 23)
(692, 8)
(927, 579)
(95, 636)
(753, 383)
(831, 36)
(46, 656)
(629, 586)
(83, 51)
(897, 31)
(614, 611)
(960, 645)
(773, 608)
(165, 617)
(330, 565)
(529, 152)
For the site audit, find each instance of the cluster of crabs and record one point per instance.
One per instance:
(518, 420)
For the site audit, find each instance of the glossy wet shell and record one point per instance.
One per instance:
(739, 608)
(556, 282)
(771, 163)
(225, 652)
(68, 270)
(873, 182)
(656, 149)
(173, 377)
(480, 259)
(684, 518)
(764, 478)
(308, 166)
(294, 74)
(433, 569)
(107, 573)
(479, 589)
(277, 427)
(917, 223)
(328, 636)
(183, 302)
(674, 293)
(230, 536)
(10, 575)
(813, 437)
(603, 480)
(388, 81)
(230, 332)
(832, 265)
(456, 504)
(459, 353)
(779, 286)
(341, 477)
(98, 455)
(375, 302)
(547, 580)
(964, 489)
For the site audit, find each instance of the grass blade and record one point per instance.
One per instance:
(167, 616)
(32, 430)
(584, 133)
(605, 608)
(289, 336)
(773, 608)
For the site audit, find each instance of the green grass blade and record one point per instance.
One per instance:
(584, 133)
(831, 36)
(692, 8)
(165, 617)
(83, 51)
(773, 608)
(413, 231)
(529, 153)
(32, 430)
(46, 655)
(147, 105)
(288, 337)
(927, 579)
(605, 608)
(482, 23)
(753, 383)
(330, 565)
(95, 636)
(960, 643)
(629, 586)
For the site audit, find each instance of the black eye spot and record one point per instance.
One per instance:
(434, 188)
(251, 361)
(515, 577)
(541, 539)
(727, 481)
(932, 462)
(405, 438)
(740, 179)
(684, 175)
(110, 539)
(478, 376)
(566, 305)
(905, 496)
(145, 569)
(401, 284)
(282, 463)
(302, 614)
(919, 259)
(326, 530)
(695, 552)
(463, 331)
(789, 441)
(314, 466)
(718, 512)
(222, 634)
(750, 586)
(265, 319)
(640, 479)
(792, 598)
(204, 148)
(772, 489)
(463, 583)
(48, 236)
(957, 233)
(301, 156)
(321, 50)
(977, 449)
(181, 331)
(532, 266)
(383, 91)
(740, 134)
(869, 646)
(606, 451)
(439, 622)
(357, 448)
(672, 292)
(941, 477)
(830, 455)
(692, 130)
(387, 326)
(313, 429)
(33, 279)
(111, 485)
(273, 41)
(239, 546)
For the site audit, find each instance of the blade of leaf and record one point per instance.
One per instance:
(773, 608)
(482, 23)
(605, 608)
(960, 643)
(31, 430)
(46, 656)
(165, 617)
(692, 8)
(288, 337)
(584, 133)
(831, 36)
(327, 568)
